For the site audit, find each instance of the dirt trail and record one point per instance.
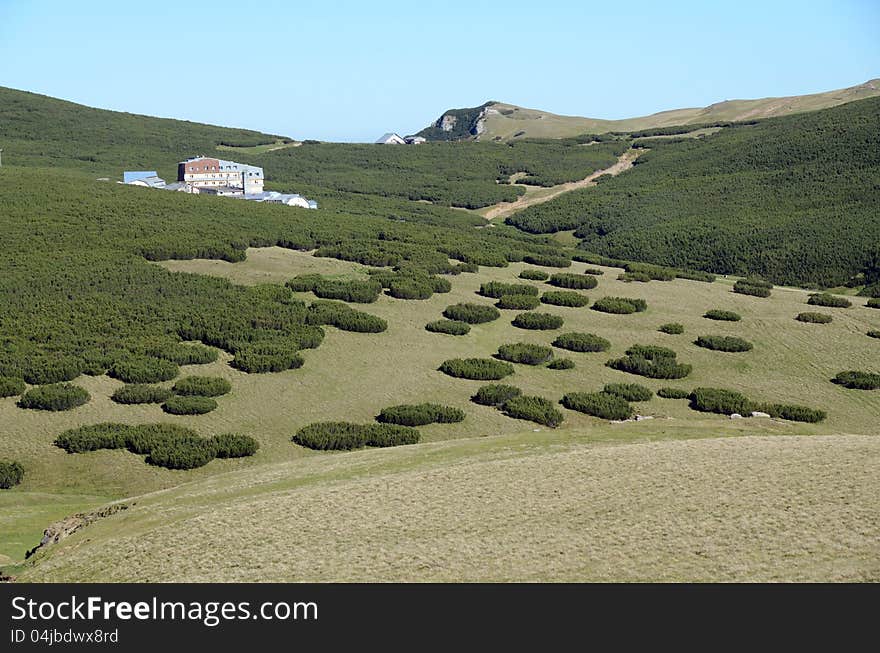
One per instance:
(541, 195)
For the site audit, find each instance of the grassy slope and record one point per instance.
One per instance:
(524, 507)
(510, 119)
(348, 378)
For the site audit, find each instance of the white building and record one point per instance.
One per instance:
(390, 139)
(147, 178)
(207, 172)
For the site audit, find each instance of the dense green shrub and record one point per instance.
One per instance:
(534, 275)
(471, 313)
(43, 370)
(205, 386)
(11, 473)
(594, 271)
(564, 298)
(620, 305)
(182, 453)
(582, 342)
(874, 302)
(411, 288)
(672, 328)
(193, 405)
(753, 286)
(344, 317)
(495, 395)
(534, 409)
(726, 316)
(518, 302)
(183, 354)
(11, 387)
(143, 438)
(497, 289)
(856, 380)
(477, 369)
(829, 300)
(55, 397)
(106, 435)
(140, 393)
(573, 281)
(813, 318)
(390, 435)
(652, 362)
(420, 414)
(144, 369)
(718, 400)
(266, 357)
(450, 327)
(723, 343)
(560, 364)
(873, 334)
(629, 391)
(547, 260)
(331, 435)
(539, 321)
(673, 393)
(794, 412)
(598, 404)
(524, 352)
(234, 445)
(357, 291)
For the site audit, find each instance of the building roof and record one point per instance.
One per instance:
(390, 137)
(133, 175)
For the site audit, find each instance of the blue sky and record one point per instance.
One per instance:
(353, 70)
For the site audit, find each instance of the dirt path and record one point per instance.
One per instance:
(541, 195)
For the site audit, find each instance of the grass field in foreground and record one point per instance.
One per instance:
(352, 376)
(511, 508)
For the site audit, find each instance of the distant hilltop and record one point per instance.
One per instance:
(502, 122)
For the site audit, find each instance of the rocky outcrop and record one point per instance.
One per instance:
(66, 527)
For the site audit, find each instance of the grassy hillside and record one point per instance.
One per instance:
(507, 121)
(793, 199)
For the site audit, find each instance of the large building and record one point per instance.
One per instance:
(226, 176)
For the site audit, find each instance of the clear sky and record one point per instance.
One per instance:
(345, 70)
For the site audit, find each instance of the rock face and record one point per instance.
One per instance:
(447, 122)
(458, 124)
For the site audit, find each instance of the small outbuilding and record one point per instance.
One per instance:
(390, 139)
(148, 178)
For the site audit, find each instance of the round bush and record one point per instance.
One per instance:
(107, 435)
(11, 387)
(534, 409)
(582, 342)
(598, 404)
(793, 412)
(752, 286)
(518, 302)
(523, 352)
(471, 313)
(184, 354)
(204, 386)
(390, 435)
(194, 405)
(874, 334)
(477, 369)
(182, 453)
(140, 393)
(410, 288)
(629, 391)
(331, 435)
(537, 321)
(565, 298)
(813, 318)
(55, 397)
(723, 343)
(620, 305)
(547, 260)
(534, 275)
(44, 370)
(856, 380)
(450, 327)
(573, 281)
(420, 414)
(829, 300)
(718, 314)
(673, 393)
(672, 328)
(652, 362)
(11, 473)
(594, 271)
(560, 364)
(234, 445)
(344, 317)
(264, 357)
(718, 400)
(144, 369)
(496, 289)
(629, 277)
(874, 302)
(495, 395)
(143, 438)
